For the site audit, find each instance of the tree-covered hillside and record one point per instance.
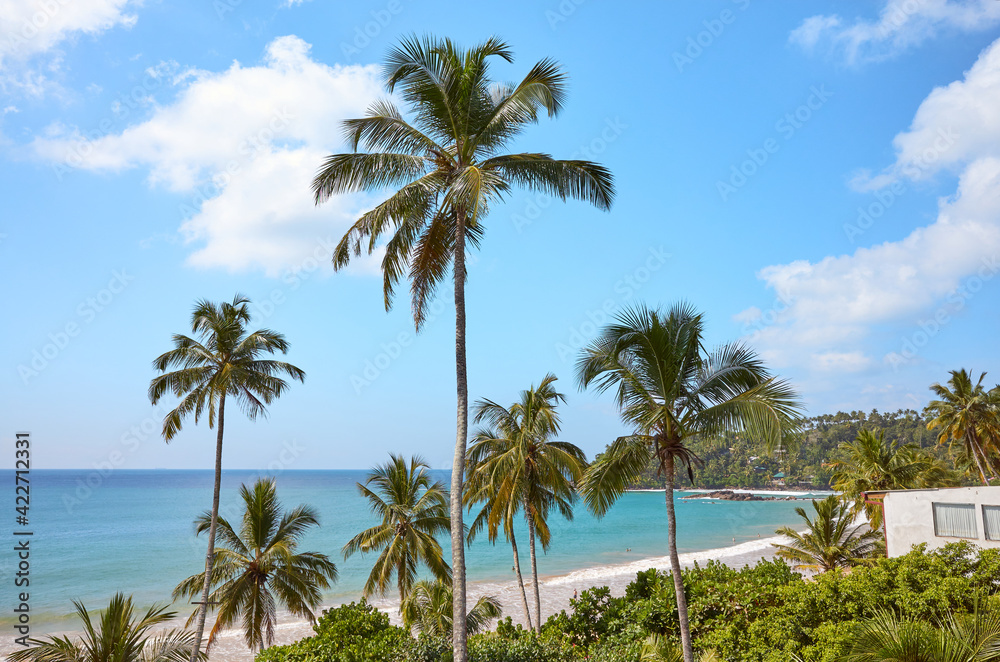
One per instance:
(740, 462)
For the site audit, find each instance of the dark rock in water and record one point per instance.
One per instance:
(729, 495)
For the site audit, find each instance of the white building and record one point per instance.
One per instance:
(939, 516)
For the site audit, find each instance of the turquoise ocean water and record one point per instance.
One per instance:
(132, 531)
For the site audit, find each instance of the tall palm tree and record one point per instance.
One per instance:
(447, 167)
(668, 388)
(515, 465)
(224, 361)
(428, 608)
(871, 463)
(257, 567)
(413, 509)
(832, 539)
(117, 637)
(969, 414)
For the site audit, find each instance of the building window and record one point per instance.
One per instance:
(955, 520)
(991, 522)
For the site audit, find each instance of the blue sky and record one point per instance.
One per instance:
(822, 181)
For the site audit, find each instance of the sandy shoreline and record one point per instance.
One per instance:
(556, 592)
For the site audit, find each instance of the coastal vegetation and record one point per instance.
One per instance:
(257, 567)
(225, 360)
(668, 389)
(118, 635)
(448, 166)
(737, 461)
(515, 465)
(760, 613)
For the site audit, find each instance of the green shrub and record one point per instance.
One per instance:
(350, 633)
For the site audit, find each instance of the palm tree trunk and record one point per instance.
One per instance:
(977, 450)
(210, 553)
(459, 644)
(534, 574)
(675, 564)
(520, 580)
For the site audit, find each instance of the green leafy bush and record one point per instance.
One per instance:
(350, 633)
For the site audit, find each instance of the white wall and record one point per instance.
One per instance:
(909, 516)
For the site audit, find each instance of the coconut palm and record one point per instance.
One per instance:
(117, 637)
(428, 609)
(668, 388)
(657, 648)
(514, 465)
(257, 567)
(832, 539)
(448, 164)
(224, 362)
(871, 463)
(958, 638)
(413, 510)
(968, 414)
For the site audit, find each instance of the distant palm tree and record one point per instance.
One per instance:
(448, 167)
(969, 414)
(669, 389)
(871, 463)
(117, 637)
(959, 638)
(515, 465)
(657, 648)
(224, 362)
(428, 608)
(257, 567)
(832, 539)
(413, 509)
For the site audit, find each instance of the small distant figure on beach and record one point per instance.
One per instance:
(734, 538)
(574, 594)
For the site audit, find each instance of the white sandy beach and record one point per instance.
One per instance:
(556, 592)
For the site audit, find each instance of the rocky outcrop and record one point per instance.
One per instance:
(729, 495)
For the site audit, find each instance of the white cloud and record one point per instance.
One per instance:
(901, 24)
(31, 28)
(955, 125)
(241, 147)
(827, 310)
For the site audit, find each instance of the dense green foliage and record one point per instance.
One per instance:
(739, 461)
(349, 633)
(763, 613)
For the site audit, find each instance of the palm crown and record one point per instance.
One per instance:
(118, 636)
(258, 566)
(872, 463)
(224, 362)
(832, 539)
(513, 460)
(413, 510)
(969, 414)
(448, 165)
(669, 389)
